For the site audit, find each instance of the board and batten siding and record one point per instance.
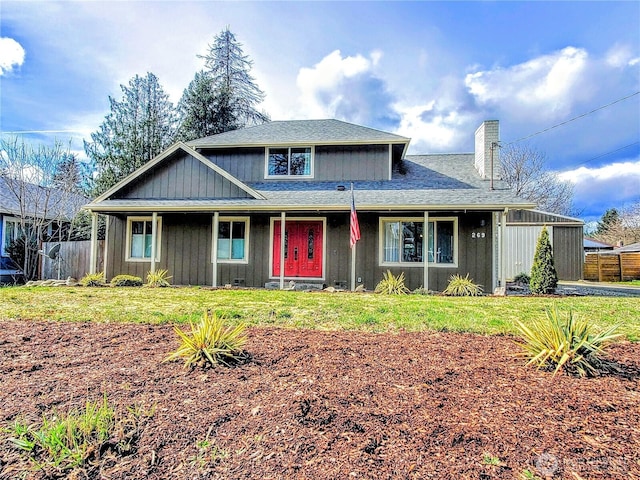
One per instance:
(331, 163)
(475, 253)
(186, 251)
(181, 177)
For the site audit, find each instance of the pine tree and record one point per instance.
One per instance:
(544, 278)
(224, 96)
(199, 110)
(138, 128)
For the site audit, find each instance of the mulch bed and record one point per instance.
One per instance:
(329, 405)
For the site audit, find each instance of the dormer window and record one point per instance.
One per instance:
(289, 162)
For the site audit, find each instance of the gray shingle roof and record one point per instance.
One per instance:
(38, 201)
(430, 182)
(299, 132)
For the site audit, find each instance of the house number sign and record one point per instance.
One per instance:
(477, 234)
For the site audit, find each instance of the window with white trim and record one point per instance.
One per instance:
(139, 239)
(402, 241)
(10, 232)
(289, 162)
(233, 239)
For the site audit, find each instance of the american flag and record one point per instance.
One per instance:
(355, 227)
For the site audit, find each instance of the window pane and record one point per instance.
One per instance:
(147, 245)
(278, 161)
(412, 241)
(137, 246)
(237, 245)
(224, 240)
(391, 241)
(137, 228)
(10, 233)
(445, 242)
(300, 161)
(310, 244)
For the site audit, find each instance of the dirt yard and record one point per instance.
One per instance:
(328, 405)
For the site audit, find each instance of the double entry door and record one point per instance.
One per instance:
(303, 243)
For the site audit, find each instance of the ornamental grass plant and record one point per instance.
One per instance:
(460, 286)
(569, 343)
(210, 342)
(392, 285)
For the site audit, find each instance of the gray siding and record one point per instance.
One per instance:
(186, 252)
(363, 162)
(331, 163)
(182, 177)
(568, 253)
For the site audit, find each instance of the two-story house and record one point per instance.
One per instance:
(271, 203)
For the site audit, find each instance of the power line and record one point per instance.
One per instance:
(20, 132)
(574, 118)
(608, 153)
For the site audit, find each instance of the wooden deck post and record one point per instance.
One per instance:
(283, 219)
(214, 249)
(93, 257)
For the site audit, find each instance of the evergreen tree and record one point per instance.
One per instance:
(199, 109)
(138, 128)
(610, 218)
(544, 278)
(224, 96)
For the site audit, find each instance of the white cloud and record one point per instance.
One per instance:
(346, 88)
(597, 189)
(11, 55)
(546, 83)
(620, 56)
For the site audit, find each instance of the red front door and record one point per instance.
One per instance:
(302, 249)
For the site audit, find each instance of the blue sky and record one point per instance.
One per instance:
(432, 71)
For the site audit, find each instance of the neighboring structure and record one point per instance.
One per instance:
(52, 208)
(9, 227)
(271, 203)
(631, 248)
(594, 246)
(565, 233)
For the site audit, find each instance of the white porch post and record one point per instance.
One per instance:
(214, 250)
(503, 252)
(154, 240)
(93, 258)
(283, 219)
(425, 251)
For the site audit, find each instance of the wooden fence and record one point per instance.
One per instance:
(72, 260)
(612, 267)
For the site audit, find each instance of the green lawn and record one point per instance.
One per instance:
(337, 311)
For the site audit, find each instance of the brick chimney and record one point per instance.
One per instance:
(488, 134)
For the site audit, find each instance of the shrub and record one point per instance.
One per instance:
(544, 278)
(392, 285)
(460, 286)
(159, 278)
(126, 281)
(210, 342)
(93, 280)
(522, 279)
(570, 344)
